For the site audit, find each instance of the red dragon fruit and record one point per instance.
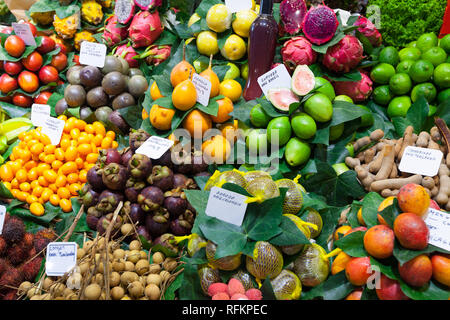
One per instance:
(368, 29)
(114, 34)
(127, 52)
(344, 56)
(124, 10)
(148, 4)
(320, 24)
(359, 91)
(298, 50)
(156, 54)
(292, 14)
(145, 28)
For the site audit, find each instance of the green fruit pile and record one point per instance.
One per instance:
(420, 69)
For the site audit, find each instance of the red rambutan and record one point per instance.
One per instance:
(31, 269)
(3, 246)
(13, 230)
(17, 254)
(11, 277)
(42, 238)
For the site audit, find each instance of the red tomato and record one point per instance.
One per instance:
(13, 68)
(59, 61)
(33, 62)
(28, 81)
(22, 100)
(15, 46)
(48, 74)
(7, 83)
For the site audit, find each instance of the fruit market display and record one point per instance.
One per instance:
(177, 182)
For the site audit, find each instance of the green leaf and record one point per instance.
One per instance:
(132, 115)
(198, 199)
(169, 293)
(204, 6)
(443, 111)
(404, 255)
(167, 252)
(191, 289)
(324, 47)
(330, 217)
(431, 291)
(336, 287)
(290, 234)
(416, 116)
(267, 290)
(222, 38)
(371, 202)
(369, 294)
(14, 111)
(51, 212)
(387, 269)
(353, 244)
(320, 71)
(212, 108)
(269, 108)
(221, 71)
(4, 192)
(390, 213)
(164, 85)
(73, 112)
(166, 38)
(66, 11)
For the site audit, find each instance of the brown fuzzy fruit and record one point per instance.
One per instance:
(42, 238)
(31, 269)
(3, 246)
(13, 230)
(28, 240)
(11, 277)
(17, 254)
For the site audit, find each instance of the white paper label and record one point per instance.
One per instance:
(23, 30)
(154, 147)
(2, 217)
(61, 258)
(93, 54)
(238, 5)
(278, 77)
(421, 161)
(39, 113)
(53, 128)
(438, 223)
(226, 205)
(203, 88)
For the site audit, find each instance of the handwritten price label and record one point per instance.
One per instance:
(238, 5)
(92, 54)
(39, 113)
(154, 147)
(438, 223)
(226, 205)
(421, 161)
(53, 128)
(203, 88)
(23, 30)
(278, 77)
(61, 258)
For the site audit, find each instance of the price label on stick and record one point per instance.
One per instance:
(23, 30)
(238, 5)
(39, 113)
(61, 258)
(226, 205)
(92, 54)
(53, 128)
(278, 77)
(2, 217)
(203, 88)
(438, 223)
(154, 147)
(421, 161)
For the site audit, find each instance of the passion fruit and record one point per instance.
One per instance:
(287, 286)
(137, 85)
(114, 83)
(90, 76)
(75, 95)
(207, 277)
(263, 189)
(97, 97)
(112, 63)
(123, 100)
(314, 217)
(293, 201)
(61, 106)
(73, 74)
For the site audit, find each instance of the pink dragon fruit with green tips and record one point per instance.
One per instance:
(148, 4)
(368, 29)
(320, 24)
(145, 28)
(156, 54)
(296, 51)
(128, 53)
(344, 56)
(113, 34)
(359, 91)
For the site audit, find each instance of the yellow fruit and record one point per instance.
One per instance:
(154, 91)
(106, 3)
(91, 11)
(60, 40)
(207, 43)
(234, 48)
(218, 18)
(225, 108)
(83, 36)
(243, 21)
(267, 261)
(230, 89)
(193, 19)
(287, 286)
(182, 71)
(161, 118)
(184, 96)
(42, 18)
(216, 150)
(67, 27)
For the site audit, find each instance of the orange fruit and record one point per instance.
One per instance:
(360, 217)
(144, 114)
(161, 118)
(197, 122)
(225, 107)
(154, 92)
(216, 150)
(340, 262)
(212, 77)
(340, 232)
(182, 71)
(231, 89)
(383, 205)
(184, 96)
(230, 131)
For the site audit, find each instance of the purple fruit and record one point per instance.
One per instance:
(134, 211)
(161, 177)
(182, 182)
(151, 198)
(93, 211)
(108, 201)
(292, 14)
(92, 222)
(88, 196)
(124, 10)
(320, 24)
(105, 221)
(157, 223)
(178, 228)
(165, 160)
(175, 205)
(94, 178)
(139, 166)
(142, 231)
(198, 163)
(116, 119)
(126, 155)
(137, 138)
(110, 155)
(114, 176)
(166, 240)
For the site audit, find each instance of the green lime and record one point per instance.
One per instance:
(382, 73)
(382, 95)
(443, 95)
(409, 54)
(435, 55)
(427, 89)
(324, 86)
(303, 125)
(244, 71)
(421, 71)
(336, 131)
(400, 84)
(367, 119)
(297, 152)
(399, 106)
(412, 44)
(279, 131)
(404, 66)
(445, 43)
(256, 141)
(427, 41)
(432, 111)
(258, 117)
(319, 107)
(389, 55)
(232, 73)
(343, 97)
(442, 75)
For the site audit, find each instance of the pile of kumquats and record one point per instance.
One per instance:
(39, 171)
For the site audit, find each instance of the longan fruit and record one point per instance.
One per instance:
(134, 256)
(117, 293)
(24, 287)
(126, 229)
(57, 289)
(118, 266)
(93, 292)
(84, 267)
(80, 253)
(47, 283)
(33, 292)
(143, 254)
(158, 257)
(128, 277)
(114, 279)
(142, 267)
(135, 245)
(154, 268)
(119, 254)
(155, 279)
(152, 292)
(136, 289)
(129, 266)
(67, 292)
(170, 264)
(164, 275)
(88, 245)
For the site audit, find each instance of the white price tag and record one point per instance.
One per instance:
(421, 161)
(2, 217)
(53, 128)
(226, 205)
(61, 258)
(154, 147)
(278, 77)
(93, 54)
(39, 113)
(203, 88)
(238, 5)
(23, 30)
(438, 223)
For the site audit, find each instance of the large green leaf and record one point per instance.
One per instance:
(132, 115)
(336, 287)
(353, 244)
(191, 289)
(416, 117)
(390, 213)
(371, 202)
(330, 217)
(51, 212)
(290, 234)
(267, 290)
(404, 255)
